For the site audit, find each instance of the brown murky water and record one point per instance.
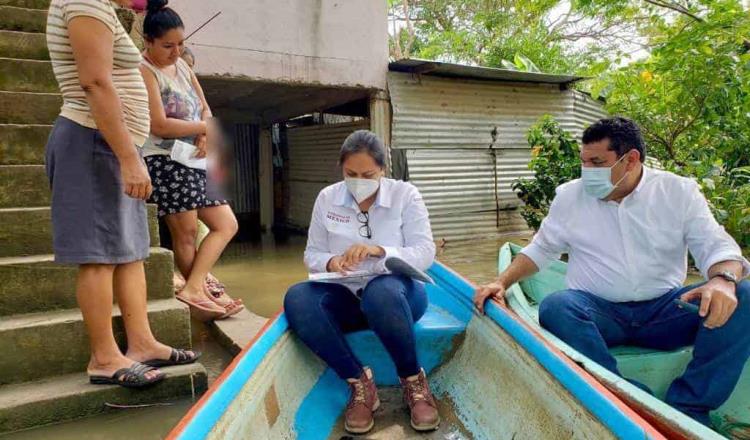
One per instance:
(261, 273)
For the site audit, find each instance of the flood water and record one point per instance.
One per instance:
(259, 274)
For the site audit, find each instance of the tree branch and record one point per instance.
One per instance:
(675, 7)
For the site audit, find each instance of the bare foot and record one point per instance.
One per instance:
(217, 291)
(200, 296)
(109, 367)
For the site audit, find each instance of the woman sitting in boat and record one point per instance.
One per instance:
(356, 224)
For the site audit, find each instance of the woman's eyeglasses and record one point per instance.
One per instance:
(364, 230)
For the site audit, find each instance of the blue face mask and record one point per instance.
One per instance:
(597, 181)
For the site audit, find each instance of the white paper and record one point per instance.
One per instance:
(184, 153)
(336, 276)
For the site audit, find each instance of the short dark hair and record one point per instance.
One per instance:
(160, 19)
(623, 134)
(363, 140)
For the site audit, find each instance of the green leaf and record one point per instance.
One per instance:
(509, 65)
(524, 63)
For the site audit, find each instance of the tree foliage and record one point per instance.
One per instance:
(554, 35)
(691, 97)
(679, 68)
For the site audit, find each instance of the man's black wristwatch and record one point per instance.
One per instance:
(727, 275)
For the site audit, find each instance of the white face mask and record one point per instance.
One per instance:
(361, 189)
(597, 181)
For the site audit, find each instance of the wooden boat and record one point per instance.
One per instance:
(494, 378)
(657, 369)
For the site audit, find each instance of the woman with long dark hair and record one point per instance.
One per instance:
(179, 120)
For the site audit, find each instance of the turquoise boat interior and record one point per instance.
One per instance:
(493, 378)
(656, 369)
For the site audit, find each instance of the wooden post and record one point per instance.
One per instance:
(265, 180)
(380, 122)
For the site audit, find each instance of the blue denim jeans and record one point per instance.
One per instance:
(321, 313)
(591, 325)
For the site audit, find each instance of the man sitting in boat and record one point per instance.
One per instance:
(626, 229)
(356, 224)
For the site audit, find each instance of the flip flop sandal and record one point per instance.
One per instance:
(178, 356)
(133, 377)
(201, 310)
(217, 290)
(232, 309)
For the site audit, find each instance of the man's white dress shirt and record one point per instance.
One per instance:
(635, 250)
(398, 219)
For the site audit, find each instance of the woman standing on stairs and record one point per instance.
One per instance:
(99, 183)
(179, 115)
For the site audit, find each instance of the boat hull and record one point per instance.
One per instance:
(495, 378)
(657, 369)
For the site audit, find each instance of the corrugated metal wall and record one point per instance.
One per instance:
(585, 111)
(313, 164)
(246, 157)
(445, 126)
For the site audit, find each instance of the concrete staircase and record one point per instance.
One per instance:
(43, 343)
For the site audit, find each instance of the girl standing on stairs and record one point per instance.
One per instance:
(179, 114)
(99, 183)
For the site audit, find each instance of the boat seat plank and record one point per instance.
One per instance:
(437, 333)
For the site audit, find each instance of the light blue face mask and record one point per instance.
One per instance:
(597, 181)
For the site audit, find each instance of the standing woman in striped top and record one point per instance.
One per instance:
(99, 183)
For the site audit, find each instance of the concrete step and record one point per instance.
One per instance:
(29, 4)
(28, 231)
(67, 397)
(23, 144)
(27, 76)
(37, 284)
(13, 18)
(29, 108)
(23, 186)
(38, 345)
(24, 45)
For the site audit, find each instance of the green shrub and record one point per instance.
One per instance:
(554, 161)
(728, 194)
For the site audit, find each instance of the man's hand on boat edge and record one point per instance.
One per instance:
(521, 268)
(495, 289)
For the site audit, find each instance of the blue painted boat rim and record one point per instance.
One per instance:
(620, 419)
(204, 415)
(648, 407)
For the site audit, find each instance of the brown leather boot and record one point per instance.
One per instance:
(417, 395)
(362, 403)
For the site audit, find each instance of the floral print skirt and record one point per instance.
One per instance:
(177, 188)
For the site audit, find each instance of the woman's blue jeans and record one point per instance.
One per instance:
(591, 324)
(321, 313)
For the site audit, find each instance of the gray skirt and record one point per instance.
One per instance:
(93, 220)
